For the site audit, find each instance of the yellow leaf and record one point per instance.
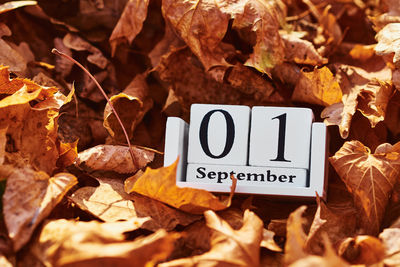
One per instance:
(160, 184)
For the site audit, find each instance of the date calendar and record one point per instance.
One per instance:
(278, 151)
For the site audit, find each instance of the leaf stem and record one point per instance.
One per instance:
(55, 51)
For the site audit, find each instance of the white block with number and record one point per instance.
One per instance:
(280, 137)
(218, 134)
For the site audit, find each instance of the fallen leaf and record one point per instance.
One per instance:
(249, 82)
(32, 131)
(362, 250)
(369, 92)
(114, 158)
(202, 25)
(388, 42)
(299, 50)
(5, 262)
(263, 19)
(73, 243)
(369, 178)
(110, 203)
(295, 237)
(68, 154)
(36, 194)
(241, 245)
(329, 259)
(129, 24)
(329, 220)
(268, 241)
(15, 4)
(3, 142)
(169, 42)
(131, 105)
(317, 87)
(390, 240)
(160, 184)
(193, 85)
(77, 43)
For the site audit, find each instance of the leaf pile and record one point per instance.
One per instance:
(71, 195)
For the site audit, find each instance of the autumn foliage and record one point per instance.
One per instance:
(73, 195)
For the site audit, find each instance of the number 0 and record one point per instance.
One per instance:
(230, 134)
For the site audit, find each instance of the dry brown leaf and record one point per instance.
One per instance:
(5, 262)
(77, 43)
(317, 87)
(167, 43)
(129, 24)
(330, 259)
(329, 220)
(369, 178)
(263, 19)
(388, 42)
(31, 130)
(68, 154)
(160, 184)
(268, 241)
(193, 85)
(300, 51)
(36, 194)
(229, 247)
(367, 91)
(390, 239)
(15, 4)
(131, 105)
(111, 203)
(202, 25)
(295, 237)
(108, 201)
(249, 82)
(114, 158)
(74, 243)
(362, 250)
(3, 142)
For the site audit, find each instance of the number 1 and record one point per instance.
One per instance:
(281, 138)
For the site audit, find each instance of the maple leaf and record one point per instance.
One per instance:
(114, 158)
(160, 184)
(63, 242)
(36, 194)
(129, 24)
(369, 178)
(242, 245)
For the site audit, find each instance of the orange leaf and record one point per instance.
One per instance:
(317, 87)
(130, 23)
(160, 184)
(362, 250)
(370, 178)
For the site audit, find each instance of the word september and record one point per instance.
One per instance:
(246, 174)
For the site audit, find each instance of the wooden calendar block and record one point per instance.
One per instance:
(176, 137)
(280, 137)
(218, 134)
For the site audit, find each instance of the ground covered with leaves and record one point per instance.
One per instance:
(73, 196)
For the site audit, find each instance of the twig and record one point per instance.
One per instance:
(55, 51)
